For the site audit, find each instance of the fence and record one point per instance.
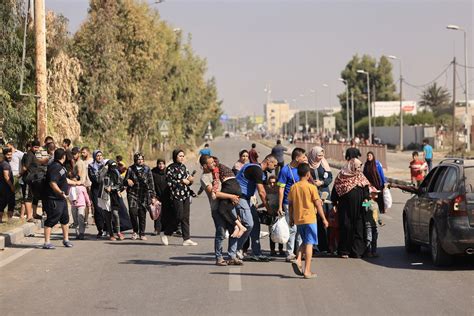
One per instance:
(337, 151)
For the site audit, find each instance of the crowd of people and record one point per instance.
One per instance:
(70, 180)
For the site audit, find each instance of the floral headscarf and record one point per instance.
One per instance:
(350, 177)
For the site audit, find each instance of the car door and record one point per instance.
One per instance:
(419, 201)
(428, 205)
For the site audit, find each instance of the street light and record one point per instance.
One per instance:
(468, 116)
(347, 104)
(401, 98)
(368, 102)
(317, 112)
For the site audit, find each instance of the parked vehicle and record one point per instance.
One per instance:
(440, 214)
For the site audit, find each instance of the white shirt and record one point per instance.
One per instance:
(16, 162)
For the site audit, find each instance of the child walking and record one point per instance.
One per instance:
(417, 169)
(304, 202)
(79, 200)
(372, 218)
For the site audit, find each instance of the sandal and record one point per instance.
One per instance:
(298, 270)
(310, 276)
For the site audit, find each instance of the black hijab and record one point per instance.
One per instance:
(371, 173)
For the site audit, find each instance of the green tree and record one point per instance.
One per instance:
(437, 99)
(381, 82)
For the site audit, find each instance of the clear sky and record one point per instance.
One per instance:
(297, 45)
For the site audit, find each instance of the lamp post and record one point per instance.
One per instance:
(313, 91)
(468, 116)
(401, 100)
(347, 105)
(305, 117)
(368, 102)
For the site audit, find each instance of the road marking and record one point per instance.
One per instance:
(235, 280)
(14, 257)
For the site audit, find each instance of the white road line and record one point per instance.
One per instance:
(14, 257)
(235, 280)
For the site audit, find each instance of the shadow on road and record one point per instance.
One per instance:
(397, 258)
(273, 275)
(186, 262)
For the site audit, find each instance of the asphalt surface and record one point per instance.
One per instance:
(144, 278)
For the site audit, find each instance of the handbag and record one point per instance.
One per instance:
(155, 210)
(387, 198)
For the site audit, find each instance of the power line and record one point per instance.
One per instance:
(421, 86)
(463, 66)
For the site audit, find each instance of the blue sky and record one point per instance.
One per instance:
(299, 45)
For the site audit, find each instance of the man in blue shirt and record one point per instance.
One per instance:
(287, 177)
(428, 151)
(251, 178)
(205, 151)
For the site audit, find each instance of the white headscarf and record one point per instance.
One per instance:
(313, 159)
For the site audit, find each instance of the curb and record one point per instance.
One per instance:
(16, 235)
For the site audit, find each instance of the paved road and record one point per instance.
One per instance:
(135, 277)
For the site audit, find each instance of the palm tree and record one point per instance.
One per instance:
(437, 98)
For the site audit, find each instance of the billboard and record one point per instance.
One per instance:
(389, 108)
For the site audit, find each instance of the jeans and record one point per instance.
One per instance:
(290, 245)
(372, 235)
(249, 216)
(221, 225)
(78, 214)
(137, 211)
(112, 218)
(429, 162)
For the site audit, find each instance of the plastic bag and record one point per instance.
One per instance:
(280, 231)
(387, 198)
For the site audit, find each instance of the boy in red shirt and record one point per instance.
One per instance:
(417, 169)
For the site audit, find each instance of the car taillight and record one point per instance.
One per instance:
(458, 207)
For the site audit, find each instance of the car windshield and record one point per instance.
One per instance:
(469, 176)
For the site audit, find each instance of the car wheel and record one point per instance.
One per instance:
(438, 255)
(409, 245)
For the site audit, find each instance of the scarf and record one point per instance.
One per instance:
(371, 173)
(350, 177)
(96, 166)
(313, 159)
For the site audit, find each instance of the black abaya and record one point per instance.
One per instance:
(351, 220)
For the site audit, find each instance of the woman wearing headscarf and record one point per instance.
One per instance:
(322, 177)
(111, 187)
(351, 189)
(243, 159)
(94, 170)
(140, 193)
(373, 171)
(179, 181)
(163, 195)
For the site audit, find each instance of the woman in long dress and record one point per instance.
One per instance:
(351, 189)
(322, 177)
(373, 171)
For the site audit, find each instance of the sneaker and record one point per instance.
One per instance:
(164, 240)
(48, 246)
(189, 242)
(290, 258)
(67, 244)
(72, 226)
(134, 236)
(143, 238)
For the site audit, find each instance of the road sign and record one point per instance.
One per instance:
(164, 128)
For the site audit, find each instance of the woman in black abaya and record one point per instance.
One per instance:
(351, 189)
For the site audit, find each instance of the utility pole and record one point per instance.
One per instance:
(352, 113)
(454, 105)
(41, 72)
(401, 108)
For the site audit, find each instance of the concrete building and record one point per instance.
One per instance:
(276, 114)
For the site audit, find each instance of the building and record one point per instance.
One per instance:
(276, 114)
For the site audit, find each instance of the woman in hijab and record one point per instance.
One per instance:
(351, 189)
(94, 170)
(243, 159)
(373, 171)
(322, 177)
(179, 181)
(163, 194)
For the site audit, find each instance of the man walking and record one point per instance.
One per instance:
(54, 200)
(288, 177)
(7, 189)
(251, 178)
(205, 151)
(279, 152)
(220, 224)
